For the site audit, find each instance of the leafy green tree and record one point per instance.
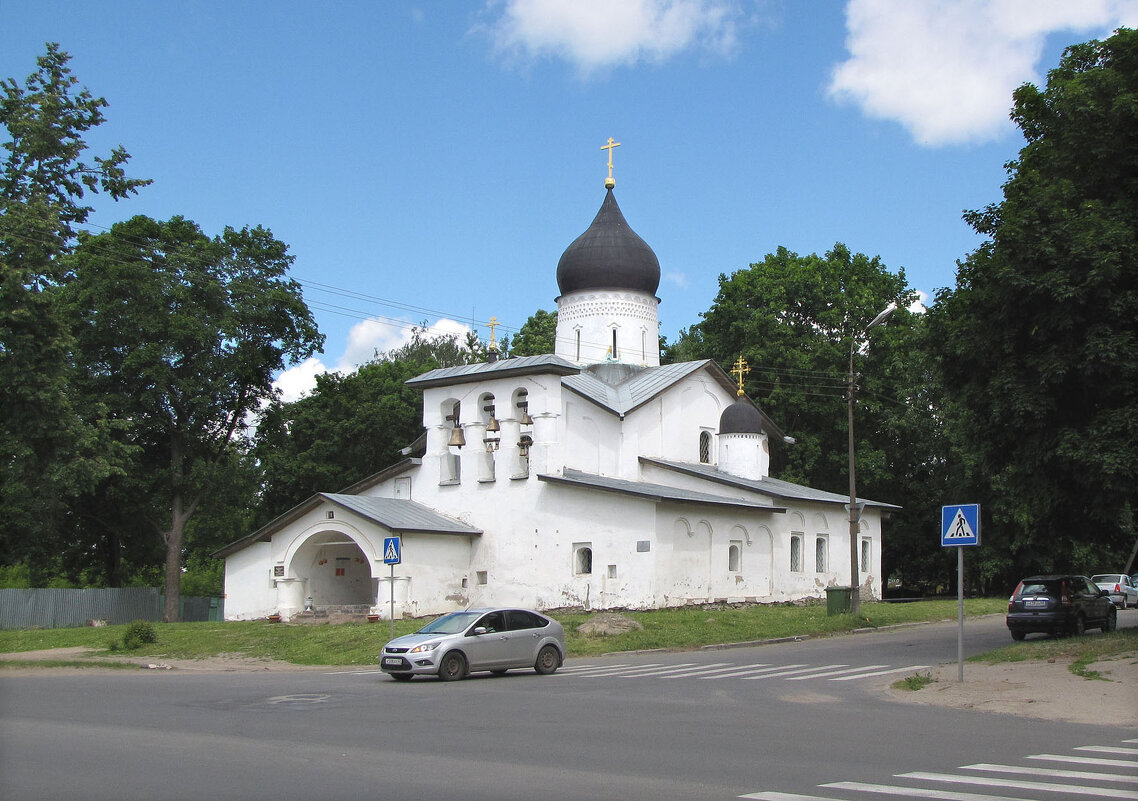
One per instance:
(446, 350)
(51, 447)
(1038, 342)
(346, 429)
(793, 319)
(181, 335)
(537, 336)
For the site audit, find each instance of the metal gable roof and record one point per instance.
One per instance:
(398, 514)
(644, 385)
(652, 492)
(468, 373)
(391, 513)
(768, 486)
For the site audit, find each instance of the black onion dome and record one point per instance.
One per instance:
(609, 255)
(741, 417)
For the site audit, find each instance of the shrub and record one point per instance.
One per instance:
(138, 633)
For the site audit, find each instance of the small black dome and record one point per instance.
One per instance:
(741, 417)
(609, 255)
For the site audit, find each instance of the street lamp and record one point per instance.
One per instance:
(855, 509)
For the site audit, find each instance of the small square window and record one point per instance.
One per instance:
(481, 575)
(612, 571)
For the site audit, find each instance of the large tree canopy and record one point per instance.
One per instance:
(51, 449)
(1038, 343)
(181, 335)
(347, 428)
(794, 318)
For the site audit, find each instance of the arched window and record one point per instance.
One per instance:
(820, 555)
(796, 553)
(583, 559)
(734, 556)
(705, 447)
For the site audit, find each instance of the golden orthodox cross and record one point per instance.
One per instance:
(609, 182)
(741, 369)
(492, 325)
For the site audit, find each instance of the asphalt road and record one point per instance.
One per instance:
(777, 722)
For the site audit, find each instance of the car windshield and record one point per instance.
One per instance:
(1107, 578)
(449, 624)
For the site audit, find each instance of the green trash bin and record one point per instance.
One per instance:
(838, 600)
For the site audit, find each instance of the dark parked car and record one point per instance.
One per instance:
(1067, 604)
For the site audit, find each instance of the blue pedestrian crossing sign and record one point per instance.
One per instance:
(960, 524)
(392, 550)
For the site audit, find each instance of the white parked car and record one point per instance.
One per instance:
(1122, 592)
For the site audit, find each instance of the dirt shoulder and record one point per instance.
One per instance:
(1046, 690)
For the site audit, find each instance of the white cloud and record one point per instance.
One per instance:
(297, 381)
(595, 34)
(946, 70)
(678, 279)
(365, 340)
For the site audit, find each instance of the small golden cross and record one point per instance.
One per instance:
(741, 369)
(492, 325)
(609, 182)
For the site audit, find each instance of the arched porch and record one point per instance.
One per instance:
(331, 573)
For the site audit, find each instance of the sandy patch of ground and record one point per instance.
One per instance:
(1045, 690)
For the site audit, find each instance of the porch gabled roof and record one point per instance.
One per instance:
(401, 516)
(396, 514)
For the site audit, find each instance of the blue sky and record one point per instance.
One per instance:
(430, 161)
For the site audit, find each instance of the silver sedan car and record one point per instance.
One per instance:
(1122, 592)
(497, 640)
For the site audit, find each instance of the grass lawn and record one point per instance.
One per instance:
(351, 644)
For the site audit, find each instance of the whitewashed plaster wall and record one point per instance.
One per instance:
(249, 589)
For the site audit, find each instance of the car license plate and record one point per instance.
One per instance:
(392, 661)
(1035, 604)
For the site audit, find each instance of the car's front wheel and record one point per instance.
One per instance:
(1111, 620)
(548, 660)
(453, 667)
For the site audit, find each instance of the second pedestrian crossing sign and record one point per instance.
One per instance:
(960, 524)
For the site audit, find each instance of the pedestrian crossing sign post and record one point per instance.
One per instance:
(392, 555)
(392, 551)
(960, 525)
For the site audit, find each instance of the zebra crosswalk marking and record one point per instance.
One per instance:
(791, 672)
(1015, 784)
(881, 673)
(836, 673)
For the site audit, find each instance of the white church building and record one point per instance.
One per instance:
(591, 477)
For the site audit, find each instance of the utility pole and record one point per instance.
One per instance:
(855, 509)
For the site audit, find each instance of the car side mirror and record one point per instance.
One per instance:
(478, 631)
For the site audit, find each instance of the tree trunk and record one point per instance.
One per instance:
(172, 609)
